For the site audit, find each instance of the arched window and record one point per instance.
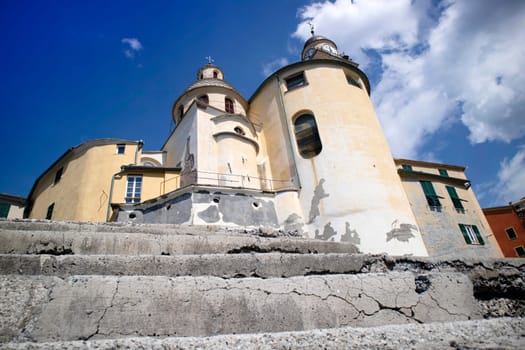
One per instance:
(215, 74)
(228, 105)
(307, 136)
(204, 99)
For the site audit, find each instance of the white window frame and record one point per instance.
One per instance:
(471, 234)
(133, 188)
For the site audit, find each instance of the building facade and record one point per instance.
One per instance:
(305, 153)
(11, 207)
(447, 211)
(508, 224)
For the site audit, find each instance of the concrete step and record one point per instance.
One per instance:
(126, 243)
(44, 308)
(502, 333)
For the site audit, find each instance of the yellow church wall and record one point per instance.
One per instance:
(266, 113)
(155, 182)
(84, 187)
(354, 152)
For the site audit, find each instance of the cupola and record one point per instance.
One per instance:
(210, 71)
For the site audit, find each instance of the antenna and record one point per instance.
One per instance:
(312, 31)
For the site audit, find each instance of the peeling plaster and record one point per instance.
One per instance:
(350, 235)
(211, 214)
(402, 232)
(319, 194)
(294, 223)
(328, 233)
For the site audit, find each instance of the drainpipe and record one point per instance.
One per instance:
(294, 161)
(111, 192)
(140, 144)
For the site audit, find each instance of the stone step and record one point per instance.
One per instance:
(502, 333)
(136, 243)
(45, 308)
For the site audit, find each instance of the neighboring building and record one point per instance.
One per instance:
(447, 211)
(11, 207)
(306, 152)
(508, 224)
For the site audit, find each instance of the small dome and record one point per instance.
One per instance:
(314, 38)
(205, 82)
(210, 71)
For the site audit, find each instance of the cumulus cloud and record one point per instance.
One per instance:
(458, 61)
(134, 46)
(274, 65)
(510, 184)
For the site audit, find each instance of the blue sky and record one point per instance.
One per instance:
(447, 79)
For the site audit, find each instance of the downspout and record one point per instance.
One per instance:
(111, 193)
(294, 161)
(140, 144)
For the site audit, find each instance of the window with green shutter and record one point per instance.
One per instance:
(4, 209)
(443, 172)
(430, 194)
(471, 234)
(455, 199)
(407, 167)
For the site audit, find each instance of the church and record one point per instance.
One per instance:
(305, 154)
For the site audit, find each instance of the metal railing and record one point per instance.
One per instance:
(227, 180)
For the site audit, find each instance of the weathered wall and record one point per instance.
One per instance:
(200, 206)
(83, 190)
(440, 227)
(354, 178)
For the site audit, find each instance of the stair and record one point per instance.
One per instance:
(74, 285)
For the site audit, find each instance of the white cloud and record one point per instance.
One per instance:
(510, 185)
(434, 59)
(134, 46)
(274, 65)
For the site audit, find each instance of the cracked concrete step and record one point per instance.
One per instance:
(219, 265)
(115, 243)
(43, 308)
(122, 227)
(502, 333)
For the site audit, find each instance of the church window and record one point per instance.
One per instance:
(204, 99)
(134, 189)
(58, 175)
(181, 112)
(228, 105)
(49, 213)
(295, 81)
(353, 81)
(307, 136)
(215, 74)
(121, 148)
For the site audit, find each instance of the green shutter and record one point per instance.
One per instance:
(465, 234)
(4, 209)
(478, 235)
(452, 192)
(428, 188)
(454, 196)
(443, 172)
(407, 167)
